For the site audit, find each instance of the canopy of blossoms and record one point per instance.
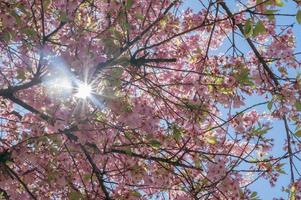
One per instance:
(148, 99)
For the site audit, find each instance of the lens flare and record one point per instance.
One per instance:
(83, 91)
(58, 87)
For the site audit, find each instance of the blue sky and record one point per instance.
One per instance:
(265, 191)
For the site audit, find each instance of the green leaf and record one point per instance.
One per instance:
(279, 169)
(22, 9)
(261, 130)
(197, 162)
(163, 21)
(176, 132)
(270, 14)
(298, 133)
(128, 151)
(270, 105)
(86, 177)
(254, 194)
(136, 194)
(50, 175)
(123, 61)
(259, 29)
(110, 46)
(125, 25)
(298, 105)
(293, 192)
(29, 32)
(16, 16)
(21, 74)
(128, 4)
(115, 33)
(211, 140)
(46, 3)
(283, 70)
(192, 106)
(155, 143)
(6, 36)
(279, 3)
(75, 195)
(243, 77)
(139, 16)
(298, 16)
(248, 28)
(63, 16)
(117, 72)
(100, 116)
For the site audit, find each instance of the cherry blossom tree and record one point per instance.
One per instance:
(147, 99)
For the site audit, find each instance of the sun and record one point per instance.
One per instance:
(84, 90)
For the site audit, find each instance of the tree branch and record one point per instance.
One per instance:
(97, 171)
(21, 182)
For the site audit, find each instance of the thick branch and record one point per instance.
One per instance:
(14, 89)
(29, 108)
(21, 182)
(102, 65)
(98, 173)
